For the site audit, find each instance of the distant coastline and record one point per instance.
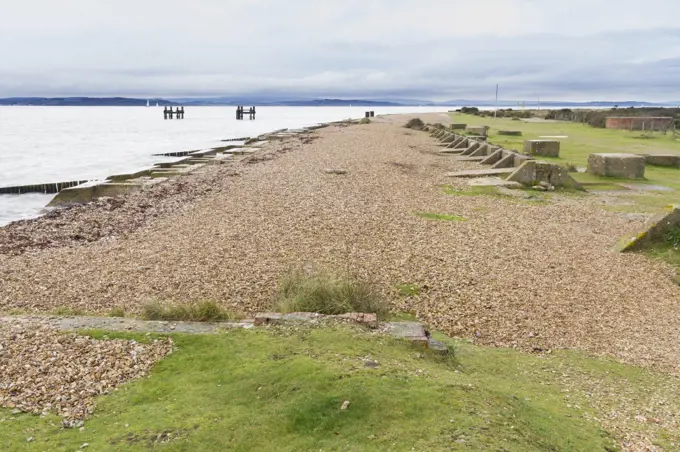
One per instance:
(268, 102)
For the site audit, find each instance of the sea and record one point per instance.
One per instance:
(57, 144)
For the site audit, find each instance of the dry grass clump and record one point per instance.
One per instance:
(415, 124)
(329, 294)
(365, 121)
(204, 311)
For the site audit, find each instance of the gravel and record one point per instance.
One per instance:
(516, 273)
(42, 370)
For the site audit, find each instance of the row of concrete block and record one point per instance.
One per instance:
(521, 170)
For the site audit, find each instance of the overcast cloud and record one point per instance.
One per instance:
(433, 49)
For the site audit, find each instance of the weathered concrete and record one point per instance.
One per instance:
(654, 231)
(412, 331)
(458, 126)
(481, 172)
(468, 158)
(472, 148)
(481, 151)
(452, 151)
(543, 148)
(627, 166)
(507, 161)
(450, 138)
(533, 172)
(495, 182)
(670, 160)
(461, 143)
(477, 130)
(89, 192)
(493, 158)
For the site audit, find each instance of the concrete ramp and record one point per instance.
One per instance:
(481, 172)
(654, 231)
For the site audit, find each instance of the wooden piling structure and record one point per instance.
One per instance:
(50, 188)
(240, 113)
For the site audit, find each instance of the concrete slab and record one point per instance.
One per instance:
(494, 182)
(493, 158)
(481, 172)
(411, 331)
(467, 158)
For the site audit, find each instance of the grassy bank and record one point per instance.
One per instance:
(283, 390)
(581, 141)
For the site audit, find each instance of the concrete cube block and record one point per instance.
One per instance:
(627, 166)
(663, 160)
(477, 130)
(458, 126)
(543, 148)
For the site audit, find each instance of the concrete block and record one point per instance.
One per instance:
(85, 193)
(653, 231)
(534, 172)
(449, 138)
(477, 130)
(481, 151)
(543, 148)
(627, 166)
(663, 160)
(507, 161)
(472, 148)
(458, 126)
(493, 158)
(481, 172)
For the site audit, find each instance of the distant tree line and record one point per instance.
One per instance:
(598, 118)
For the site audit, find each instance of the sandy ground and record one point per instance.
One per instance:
(516, 273)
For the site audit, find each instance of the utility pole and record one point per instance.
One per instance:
(496, 108)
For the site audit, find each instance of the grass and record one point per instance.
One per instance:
(364, 121)
(408, 290)
(473, 190)
(440, 216)
(328, 293)
(584, 140)
(205, 311)
(281, 390)
(415, 124)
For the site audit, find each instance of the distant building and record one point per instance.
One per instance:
(651, 123)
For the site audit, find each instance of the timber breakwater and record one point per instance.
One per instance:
(186, 162)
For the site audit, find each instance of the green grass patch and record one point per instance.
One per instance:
(408, 290)
(328, 293)
(583, 140)
(281, 390)
(473, 190)
(204, 311)
(440, 216)
(68, 312)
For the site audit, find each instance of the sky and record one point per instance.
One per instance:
(432, 49)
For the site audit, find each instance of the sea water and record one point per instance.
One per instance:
(57, 144)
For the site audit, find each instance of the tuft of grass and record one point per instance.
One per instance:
(117, 312)
(440, 216)
(329, 294)
(408, 290)
(204, 311)
(473, 190)
(68, 312)
(673, 237)
(415, 124)
(365, 121)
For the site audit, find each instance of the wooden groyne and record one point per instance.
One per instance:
(50, 188)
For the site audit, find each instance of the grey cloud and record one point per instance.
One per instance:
(350, 49)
